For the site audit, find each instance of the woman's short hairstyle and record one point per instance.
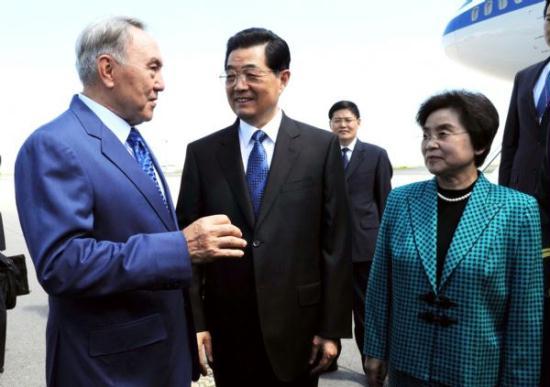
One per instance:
(476, 114)
(108, 36)
(341, 105)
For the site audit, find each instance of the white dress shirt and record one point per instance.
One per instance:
(117, 125)
(245, 137)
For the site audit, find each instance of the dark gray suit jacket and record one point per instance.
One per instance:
(523, 142)
(296, 270)
(368, 178)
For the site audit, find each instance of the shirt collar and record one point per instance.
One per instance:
(271, 128)
(351, 145)
(116, 124)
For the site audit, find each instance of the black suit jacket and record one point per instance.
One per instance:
(524, 137)
(368, 178)
(296, 270)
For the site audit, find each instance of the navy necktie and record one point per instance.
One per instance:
(544, 99)
(257, 171)
(345, 158)
(143, 157)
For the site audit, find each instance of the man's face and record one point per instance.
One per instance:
(547, 27)
(137, 81)
(252, 88)
(344, 124)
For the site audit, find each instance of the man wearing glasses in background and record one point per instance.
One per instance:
(272, 319)
(368, 178)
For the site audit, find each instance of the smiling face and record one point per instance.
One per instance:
(254, 100)
(345, 124)
(447, 148)
(137, 82)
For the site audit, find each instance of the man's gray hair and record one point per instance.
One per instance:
(108, 36)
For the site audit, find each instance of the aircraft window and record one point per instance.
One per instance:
(502, 4)
(488, 7)
(475, 13)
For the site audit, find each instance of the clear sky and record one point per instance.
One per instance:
(384, 55)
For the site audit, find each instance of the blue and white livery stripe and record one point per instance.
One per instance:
(486, 10)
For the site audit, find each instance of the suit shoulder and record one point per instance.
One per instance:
(410, 190)
(372, 148)
(311, 132)
(57, 130)
(211, 138)
(511, 196)
(536, 67)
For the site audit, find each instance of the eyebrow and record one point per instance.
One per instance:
(156, 61)
(439, 127)
(246, 66)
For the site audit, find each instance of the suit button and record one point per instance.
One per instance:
(256, 243)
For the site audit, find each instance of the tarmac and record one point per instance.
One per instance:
(25, 344)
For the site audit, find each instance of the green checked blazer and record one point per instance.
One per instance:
(482, 326)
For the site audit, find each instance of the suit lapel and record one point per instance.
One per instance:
(479, 212)
(357, 157)
(112, 148)
(115, 151)
(528, 93)
(423, 217)
(229, 157)
(284, 155)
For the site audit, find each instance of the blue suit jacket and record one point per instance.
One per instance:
(486, 313)
(109, 254)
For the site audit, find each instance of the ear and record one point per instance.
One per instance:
(284, 76)
(105, 70)
(479, 151)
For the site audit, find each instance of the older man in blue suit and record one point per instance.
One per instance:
(99, 222)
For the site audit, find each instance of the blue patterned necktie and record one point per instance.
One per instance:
(544, 98)
(143, 157)
(257, 171)
(345, 158)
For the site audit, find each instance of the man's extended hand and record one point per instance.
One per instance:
(376, 371)
(329, 350)
(204, 341)
(213, 237)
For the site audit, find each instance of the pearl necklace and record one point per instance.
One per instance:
(454, 200)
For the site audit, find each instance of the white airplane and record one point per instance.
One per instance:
(498, 37)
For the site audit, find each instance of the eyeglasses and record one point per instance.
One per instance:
(439, 136)
(339, 120)
(250, 76)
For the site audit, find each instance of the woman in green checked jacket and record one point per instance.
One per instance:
(455, 293)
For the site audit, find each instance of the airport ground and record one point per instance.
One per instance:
(25, 346)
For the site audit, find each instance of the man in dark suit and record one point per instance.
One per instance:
(99, 223)
(3, 314)
(273, 318)
(523, 147)
(368, 178)
(524, 137)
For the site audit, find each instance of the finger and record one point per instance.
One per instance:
(208, 350)
(230, 253)
(372, 378)
(226, 230)
(231, 242)
(202, 361)
(324, 363)
(217, 219)
(314, 352)
(204, 369)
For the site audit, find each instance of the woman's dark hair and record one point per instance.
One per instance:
(475, 112)
(277, 53)
(340, 105)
